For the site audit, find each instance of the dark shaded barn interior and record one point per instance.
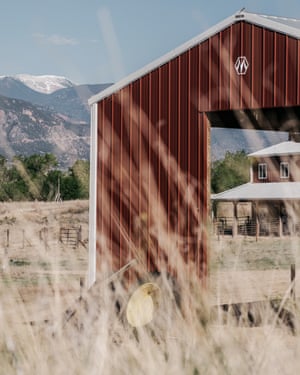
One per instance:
(285, 119)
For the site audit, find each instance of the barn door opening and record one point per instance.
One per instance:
(255, 238)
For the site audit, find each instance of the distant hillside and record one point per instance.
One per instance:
(73, 101)
(27, 129)
(233, 140)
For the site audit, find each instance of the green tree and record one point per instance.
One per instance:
(69, 187)
(80, 170)
(4, 178)
(33, 171)
(51, 185)
(16, 189)
(36, 177)
(229, 172)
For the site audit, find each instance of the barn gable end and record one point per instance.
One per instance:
(150, 135)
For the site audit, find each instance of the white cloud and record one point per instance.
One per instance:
(55, 39)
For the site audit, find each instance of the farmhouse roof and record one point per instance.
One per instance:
(256, 191)
(288, 26)
(283, 148)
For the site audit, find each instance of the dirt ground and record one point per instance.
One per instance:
(244, 270)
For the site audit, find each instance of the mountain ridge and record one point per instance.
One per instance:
(65, 112)
(45, 84)
(26, 129)
(69, 101)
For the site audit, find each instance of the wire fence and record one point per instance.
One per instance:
(247, 226)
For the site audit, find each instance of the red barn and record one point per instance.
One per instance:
(150, 134)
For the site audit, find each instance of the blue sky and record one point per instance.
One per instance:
(97, 41)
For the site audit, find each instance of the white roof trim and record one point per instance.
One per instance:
(283, 148)
(256, 19)
(273, 23)
(261, 191)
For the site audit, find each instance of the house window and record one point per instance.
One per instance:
(284, 170)
(262, 171)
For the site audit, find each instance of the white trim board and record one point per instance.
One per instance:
(93, 198)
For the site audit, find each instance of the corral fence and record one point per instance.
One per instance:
(225, 226)
(247, 226)
(68, 236)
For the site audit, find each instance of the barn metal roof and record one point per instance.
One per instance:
(261, 191)
(288, 26)
(283, 148)
(290, 22)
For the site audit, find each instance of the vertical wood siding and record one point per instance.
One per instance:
(153, 155)
(272, 79)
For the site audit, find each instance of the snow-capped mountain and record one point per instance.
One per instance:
(45, 84)
(70, 101)
(45, 114)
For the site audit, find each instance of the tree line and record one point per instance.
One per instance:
(37, 177)
(229, 172)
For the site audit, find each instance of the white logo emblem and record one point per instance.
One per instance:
(241, 65)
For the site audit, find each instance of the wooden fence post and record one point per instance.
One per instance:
(257, 229)
(79, 235)
(280, 227)
(45, 237)
(7, 237)
(81, 283)
(293, 278)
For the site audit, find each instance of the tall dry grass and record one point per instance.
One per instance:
(59, 331)
(89, 333)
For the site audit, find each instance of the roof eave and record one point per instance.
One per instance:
(271, 24)
(254, 199)
(253, 18)
(165, 58)
(274, 154)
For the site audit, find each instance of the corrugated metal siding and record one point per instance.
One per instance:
(149, 134)
(154, 138)
(272, 77)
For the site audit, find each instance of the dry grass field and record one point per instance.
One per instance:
(35, 263)
(243, 269)
(47, 329)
